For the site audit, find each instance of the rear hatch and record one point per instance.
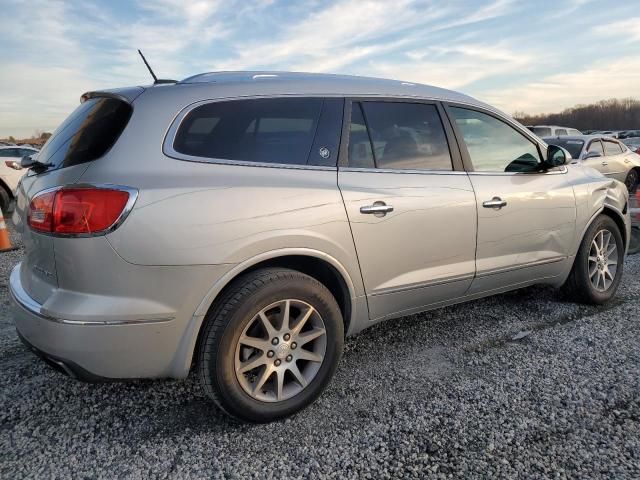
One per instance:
(86, 135)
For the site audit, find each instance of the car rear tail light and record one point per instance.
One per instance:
(84, 211)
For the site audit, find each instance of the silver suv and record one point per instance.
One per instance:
(241, 224)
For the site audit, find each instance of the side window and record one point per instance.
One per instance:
(270, 130)
(612, 148)
(493, 145)
(561, 132)
(407, 136)
(596, 146)
(360, 152)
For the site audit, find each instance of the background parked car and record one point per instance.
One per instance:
(553, 130)
(605, 154)
(11, 172)
(629, 134)
(633, 143)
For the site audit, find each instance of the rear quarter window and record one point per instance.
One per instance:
(88, 133)
(292, 131)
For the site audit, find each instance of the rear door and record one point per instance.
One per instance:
(599, 163)
(526, 217)
(410, 205)
(616, 160)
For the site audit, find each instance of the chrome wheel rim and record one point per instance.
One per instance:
(603, 260)
(280, 351)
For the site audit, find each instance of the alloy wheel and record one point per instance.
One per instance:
(603, 260)
(280, 351)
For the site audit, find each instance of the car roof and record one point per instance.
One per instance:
(255, 83)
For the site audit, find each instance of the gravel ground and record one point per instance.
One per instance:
(522, 384)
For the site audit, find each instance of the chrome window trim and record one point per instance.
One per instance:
(133, 197)
(399, 170)
(170, 134)
(176, 123)
(561, 171)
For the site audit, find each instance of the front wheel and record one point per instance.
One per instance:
(270, 345)
(597, 268)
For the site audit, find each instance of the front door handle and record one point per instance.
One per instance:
(379, 209)
(605, 164)
(496, 203)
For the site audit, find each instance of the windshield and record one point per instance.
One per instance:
(573, 146)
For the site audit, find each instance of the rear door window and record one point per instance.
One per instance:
(87, 134)
(561, 132)
(612, 148)
(407, 136)
(293, 131)
(397, 136)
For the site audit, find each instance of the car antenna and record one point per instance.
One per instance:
(156, 81)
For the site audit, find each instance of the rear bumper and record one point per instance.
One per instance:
(95, 351)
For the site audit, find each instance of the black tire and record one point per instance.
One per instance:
(578, 286)
(5, 199)
(226, 321)
(632, 180)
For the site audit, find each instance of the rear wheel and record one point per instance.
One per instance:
(632, 181)
(597, 268)
(270, 345)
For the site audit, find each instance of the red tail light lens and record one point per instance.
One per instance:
(77, 211)
(40, 216)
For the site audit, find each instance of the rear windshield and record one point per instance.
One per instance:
(274, 130)
(573, 146)
(87, 134)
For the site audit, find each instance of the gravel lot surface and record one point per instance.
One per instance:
(522, 384)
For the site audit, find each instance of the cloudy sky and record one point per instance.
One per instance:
(533, 56)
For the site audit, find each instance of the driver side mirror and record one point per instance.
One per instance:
(592, 155)
(557, 156)
(27, 161)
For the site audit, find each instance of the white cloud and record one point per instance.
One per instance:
(627, 30)
(614, 79)
(456, 65)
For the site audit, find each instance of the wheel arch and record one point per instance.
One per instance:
(316, 264)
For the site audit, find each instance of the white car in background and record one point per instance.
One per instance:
(553, 131)
(11, 172)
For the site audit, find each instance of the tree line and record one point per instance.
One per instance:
(612, 114)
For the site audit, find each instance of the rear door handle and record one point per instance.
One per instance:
(496, 203)
(605, 163)
(379, 209)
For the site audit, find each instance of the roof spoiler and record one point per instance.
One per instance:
(128, 94)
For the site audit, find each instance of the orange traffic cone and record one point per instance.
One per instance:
(5, 242)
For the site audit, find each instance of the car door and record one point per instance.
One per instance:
(617, 162)
(410, 205)
(526, 216)
(594, 157)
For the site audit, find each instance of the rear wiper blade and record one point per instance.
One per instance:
(33, 164)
